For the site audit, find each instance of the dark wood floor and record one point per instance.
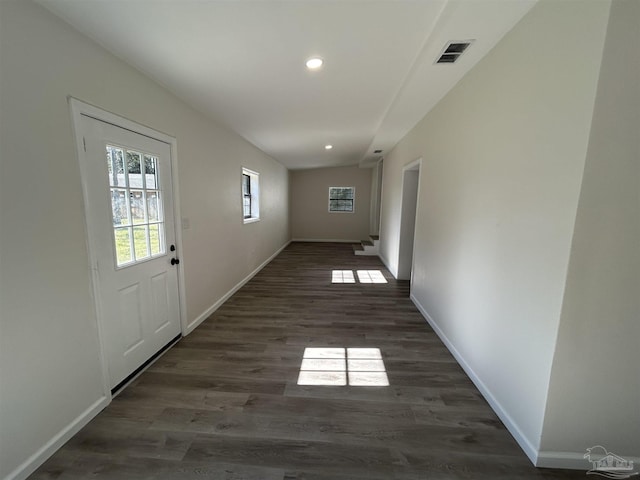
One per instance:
(224, 403)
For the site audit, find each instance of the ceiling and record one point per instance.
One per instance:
(242, 63)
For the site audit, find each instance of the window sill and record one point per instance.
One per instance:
(250, 220)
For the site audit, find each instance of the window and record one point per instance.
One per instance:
(246, 195)
(341, 199)
(250, 196)
(136, 205)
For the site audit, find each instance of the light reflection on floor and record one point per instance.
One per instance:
(361, 367)
(371, 276)
(364, 276)
(342, 276)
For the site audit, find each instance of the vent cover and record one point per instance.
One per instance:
(453, 50)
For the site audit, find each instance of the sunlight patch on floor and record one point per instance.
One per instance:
(360, 367)
(364, 276)
(371, 276)
(342, 276)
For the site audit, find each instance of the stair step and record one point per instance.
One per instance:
(366, 247)
(375, 237)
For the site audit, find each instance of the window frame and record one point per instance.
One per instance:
(353, 200)
(253, 195)
(128, 190)
(246, 195)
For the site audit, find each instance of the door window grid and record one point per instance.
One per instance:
(136, 205)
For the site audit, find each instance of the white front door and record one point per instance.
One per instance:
(131, 229)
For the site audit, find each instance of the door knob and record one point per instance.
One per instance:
(175, 261)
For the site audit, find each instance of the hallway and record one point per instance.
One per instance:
(225, 402)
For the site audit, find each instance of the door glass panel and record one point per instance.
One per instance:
(136, 205)
(133, 168)
(155, 238)
(140, 241)
(119, 207)
(115, 166)
(151, 171)
(123, 245)
(153, 206)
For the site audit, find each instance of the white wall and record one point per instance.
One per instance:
(503, 155)
(310, 216)
(594, 395)
(50, 372)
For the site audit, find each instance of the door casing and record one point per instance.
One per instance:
(79, 109)
(410, 194)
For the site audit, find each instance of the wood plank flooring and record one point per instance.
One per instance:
(224, 403)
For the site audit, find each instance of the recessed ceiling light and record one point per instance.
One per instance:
(314, 63)
(328, 147)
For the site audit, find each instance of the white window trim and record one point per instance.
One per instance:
(353, 210)
(255, 196)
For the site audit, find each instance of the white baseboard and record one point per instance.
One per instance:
(518, 435)
(570, 460)
(204, 315)
(326, 240)
(38, 458)
(575, 461)
(34, 461)
(541, 459)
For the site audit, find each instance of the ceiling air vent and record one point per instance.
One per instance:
(452, 51)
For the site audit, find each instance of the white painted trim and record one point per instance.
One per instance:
(512, 426)
(570, 460)
(177, 215)
(574, 461)
(415, 165)
(376, 198)
(34, 461)
(326, 240)
(77, 109)
(204, 315)
(255, 197)
(418, 163)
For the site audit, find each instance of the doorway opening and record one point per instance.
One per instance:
(376, 199)
(409, 207)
